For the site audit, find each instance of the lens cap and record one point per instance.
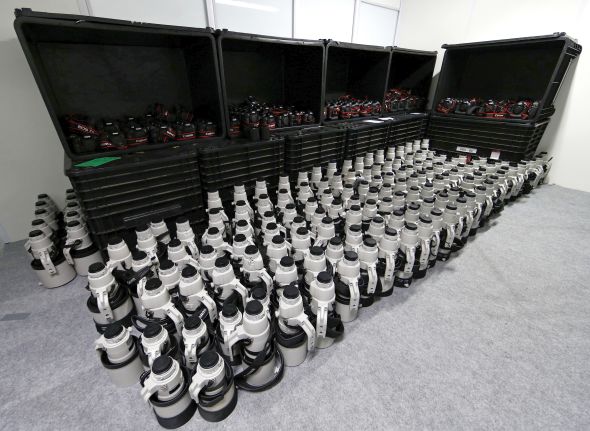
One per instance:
(192, 322)
(207, 249)
(142, 228)
(189, 271)
(153, 284)
(162, 364)
(324, 277)
(390, 231)
(250, 250)
(35, 233)
(336, 240)
(436, 212)
(221, 262)
(208, 359)
(291, 292)
(174, 243)
(229, 309)
(287, 261)
(351, 256)
(425, 218)
(166, 264)
(113, 330)
(301, 231)
(96, 267)
(138, 255)
(254, 308)
(152, 330)
(316, 251)
(259, 293)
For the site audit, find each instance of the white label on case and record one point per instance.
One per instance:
(467, 150)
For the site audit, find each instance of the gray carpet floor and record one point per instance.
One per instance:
(496, 338)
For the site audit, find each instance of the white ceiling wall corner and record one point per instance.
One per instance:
(266, 17)
(323, 19)
(186, 13)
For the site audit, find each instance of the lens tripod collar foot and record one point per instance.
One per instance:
(306, 325)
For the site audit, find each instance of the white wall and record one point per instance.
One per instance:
(360, 21)
(427, 24)
(324, 19)
(269, 17)
(31, 156)
(188, 13)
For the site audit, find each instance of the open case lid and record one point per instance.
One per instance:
(106, 69)
(274, 70)
(357, 70)
(410, 71)
(514, 42)
(508, 69)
